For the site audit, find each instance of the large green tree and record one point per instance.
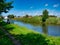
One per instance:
(5, 6)
(45, 15)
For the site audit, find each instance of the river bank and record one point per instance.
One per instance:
(36, 20)
(51, 30)
(29, 37)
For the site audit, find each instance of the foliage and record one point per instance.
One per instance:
(45, 15)
(4, 40)
(32, 39)
(1, 18)
(11, 16)
(5, 6)
(52, 20)
(26, 15)
(36, 20)
(29, 37)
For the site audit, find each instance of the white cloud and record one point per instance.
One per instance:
(54, 12)
(55, 5)
(32, 12)
(46, 5)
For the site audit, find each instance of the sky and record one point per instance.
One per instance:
(34, 7)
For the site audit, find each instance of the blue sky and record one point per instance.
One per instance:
(34, 7)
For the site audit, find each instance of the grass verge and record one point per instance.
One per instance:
(29, 37)
(4, 39)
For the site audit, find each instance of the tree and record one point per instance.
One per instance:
(5, 6)
(27, 15)
(11, 16)
(45, 15)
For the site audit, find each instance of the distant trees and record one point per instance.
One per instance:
(52, 16)
(5, 6)
(11, 16)
(45, 15)
(27, 15)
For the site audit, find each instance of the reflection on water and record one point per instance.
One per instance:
(12, 21)
(52, 30)
(44, 28)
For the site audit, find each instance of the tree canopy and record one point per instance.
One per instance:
(45, 15)
(11, 16)
(5, 6)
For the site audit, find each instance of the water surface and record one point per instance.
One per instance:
(51, 30)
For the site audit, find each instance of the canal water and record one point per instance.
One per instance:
(51, 30)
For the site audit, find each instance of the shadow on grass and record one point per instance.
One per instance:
(4, 39)
(32, 39)
(29, 38)
(4, 25)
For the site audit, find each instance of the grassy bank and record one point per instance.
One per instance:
(29, 37)
(38, 20)
(4, 39)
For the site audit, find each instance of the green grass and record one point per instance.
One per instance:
(38, 20)
(52, 20)
(34, 20)
(4, 40)
(15, 29)
(29, 37)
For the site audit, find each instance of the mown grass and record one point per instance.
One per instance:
(4, 39)
(29, 37)
(38, 20)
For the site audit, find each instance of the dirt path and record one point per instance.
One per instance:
(15, 42)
